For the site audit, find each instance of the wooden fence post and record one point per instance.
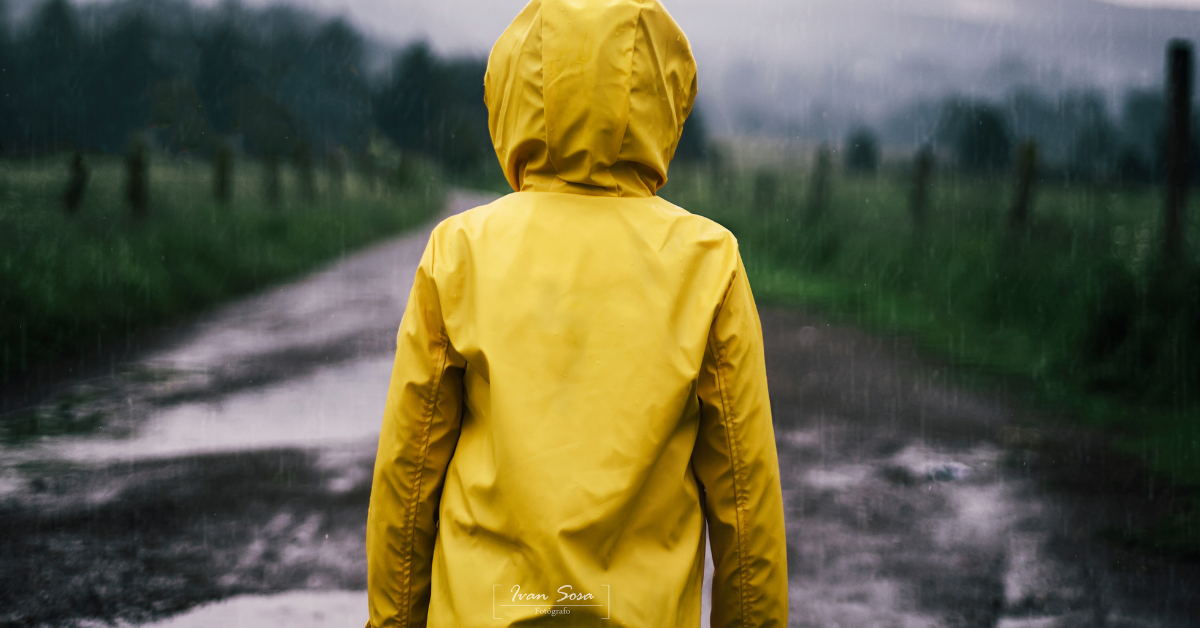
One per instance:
(137, 180)
(1027, 158)
(1179, 113)
(76, 184)
(922, 173)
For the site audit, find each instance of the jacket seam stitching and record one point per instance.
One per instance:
(637, 22)
(738, 498)
(419, 474)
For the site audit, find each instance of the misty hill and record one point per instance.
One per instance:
(814, 69)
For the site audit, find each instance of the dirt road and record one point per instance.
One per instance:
(233, 465)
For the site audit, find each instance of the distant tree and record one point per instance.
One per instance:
(436, 108)
(862, 152)
(693, 140)
(718, 169)
(405, 176)
(120, 72)
(272, 185)
(238, 69)
(367, 169)
(305, 177)
(978, 134)
(178, 113)
(1033, 114)
(984, 144)
(52, 78)
(821, 188)
(463, 141)
(407, 107)
(1132, 167)
(324, 88)
(1094, 153)
(224, 71)
(8, 76)
(268, 127)
(269, 78)
(766, 190)
(223, 173)
(1027, 167)
(336, 166)
(1142, 127)
(918, 204)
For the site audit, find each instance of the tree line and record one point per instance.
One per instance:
(276, 82)
(1079, 137)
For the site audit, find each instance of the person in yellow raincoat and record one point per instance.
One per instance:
(579, 386)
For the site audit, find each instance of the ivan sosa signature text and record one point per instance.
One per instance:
(542, 603)
(564, 591)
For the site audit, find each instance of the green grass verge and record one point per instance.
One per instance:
(1026, 308)
(72, 283)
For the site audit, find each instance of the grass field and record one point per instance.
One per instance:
(73, 283)
(1076, 312)
(1034, 307)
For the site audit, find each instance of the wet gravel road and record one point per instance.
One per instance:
(233, 464)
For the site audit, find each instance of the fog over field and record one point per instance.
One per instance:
(813, 68)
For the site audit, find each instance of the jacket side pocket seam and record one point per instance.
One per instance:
(419, 473)
(735, 459)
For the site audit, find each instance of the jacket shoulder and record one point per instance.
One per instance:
(703, 230)
(469, 221)
(679, 224)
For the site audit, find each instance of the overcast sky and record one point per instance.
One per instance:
(473, 25)
(789, 58)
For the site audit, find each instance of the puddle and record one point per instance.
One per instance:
(926, 536)
(800, 439)
(330, 407)
(923, 463)
(336, 408)
(838, 478)
(870, 603)
(294, 609)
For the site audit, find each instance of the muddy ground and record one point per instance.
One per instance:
(237, 460)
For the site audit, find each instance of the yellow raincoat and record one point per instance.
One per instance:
(579, 384)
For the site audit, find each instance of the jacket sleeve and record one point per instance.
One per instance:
(736, 462)
(420, 430)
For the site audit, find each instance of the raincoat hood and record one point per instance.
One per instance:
(589, 96)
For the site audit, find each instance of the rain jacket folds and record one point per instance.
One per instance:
(579, 386)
